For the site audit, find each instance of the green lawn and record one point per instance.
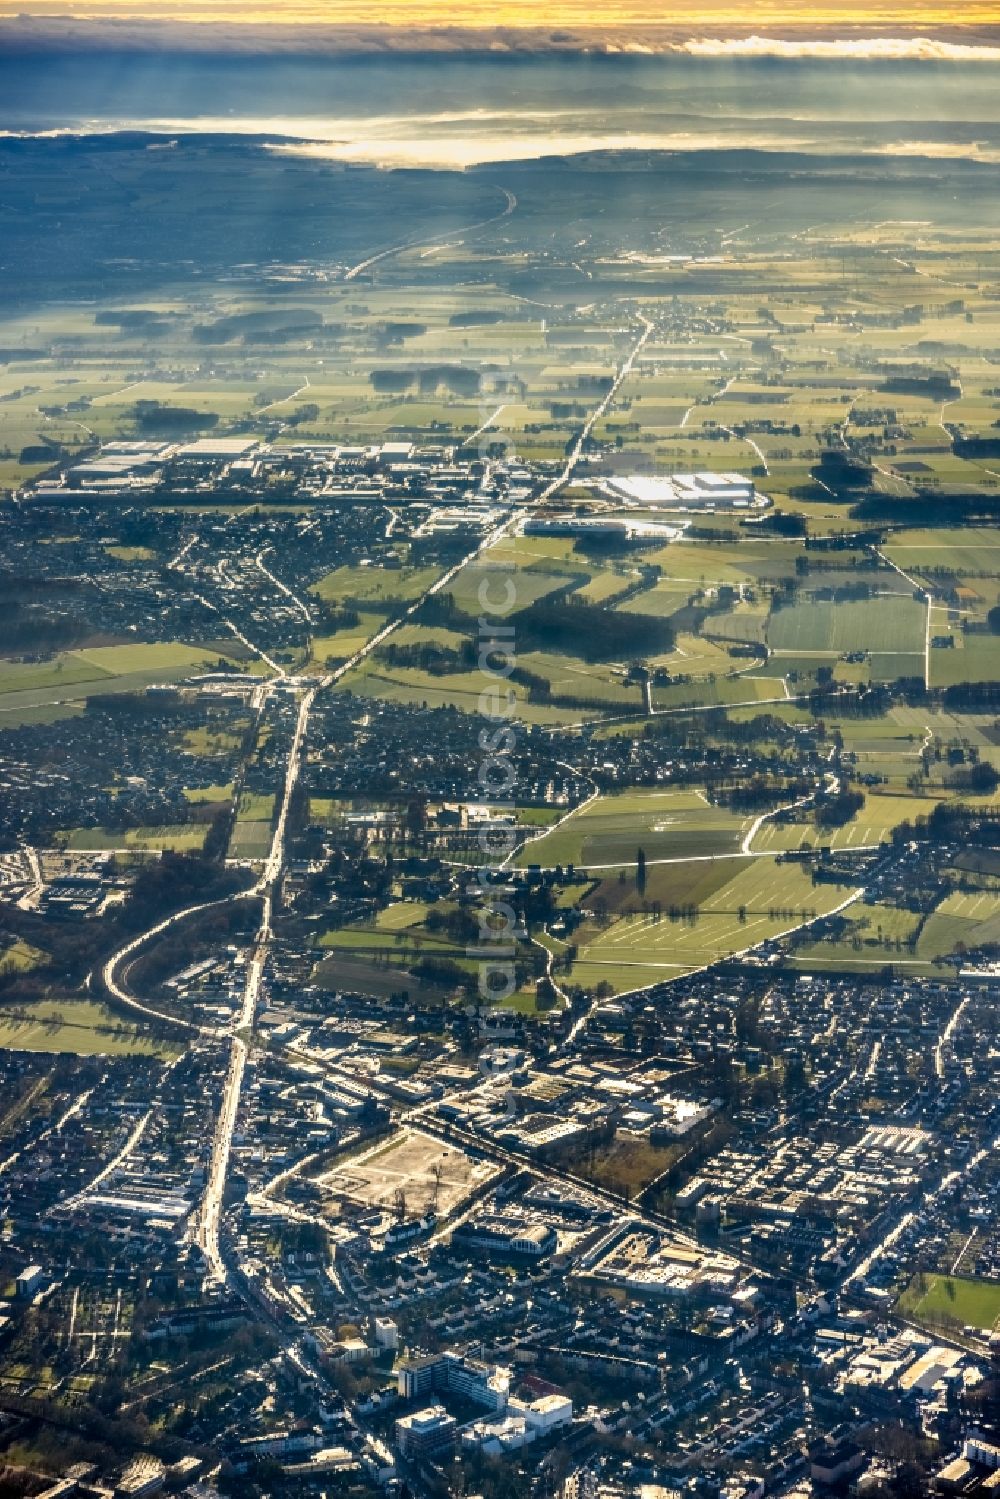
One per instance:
(183, 836)
(972, 1303)
(20, 957)
(75, 1026)
(218, 793)
(665, 824)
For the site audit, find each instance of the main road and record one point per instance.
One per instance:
(435, 239)
(266, 888)
(240, 1028)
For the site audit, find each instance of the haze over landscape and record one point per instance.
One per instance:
(499, 750)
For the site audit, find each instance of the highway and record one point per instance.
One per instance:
(419, 242)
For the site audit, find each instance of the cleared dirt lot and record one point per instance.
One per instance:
(411, 1161)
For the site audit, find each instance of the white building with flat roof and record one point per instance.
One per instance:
(205, 449)
(699, 491)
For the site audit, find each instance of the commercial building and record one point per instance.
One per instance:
(506, 1238)
(31, 1278)
(699, 491)
(449, 1373)
(427, 1433)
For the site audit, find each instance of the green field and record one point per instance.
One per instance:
(952, 1299)
(873, 824)
(73, 675)
(76, 1026)
(665, 824)
(374, 584)
(461, 690)
(712, 920)
(972, 919)
(183, 836)
(874, 937)
(894, 625)
(219, 793)
(253, 831)
(965, 549)
(378, 957)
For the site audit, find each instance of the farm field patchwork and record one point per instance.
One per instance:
(757, 902)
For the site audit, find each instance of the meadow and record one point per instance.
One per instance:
(608, 832)
(759, 901)
(952, 1298)
(77, 1026)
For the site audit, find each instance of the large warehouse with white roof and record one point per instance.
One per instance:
(701, 491)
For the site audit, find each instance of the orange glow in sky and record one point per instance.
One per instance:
(761, 17)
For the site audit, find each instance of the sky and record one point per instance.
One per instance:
(787, 18)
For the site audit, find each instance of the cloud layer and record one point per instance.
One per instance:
(932, 36)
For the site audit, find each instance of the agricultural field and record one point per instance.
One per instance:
(873, 937)
(374, 585)
(870, 826)
(892, 624)
(972, 658)
(970, 552)
(963, 920)
(74, 675)
(463, 690)
(667, 825)
(747, 902)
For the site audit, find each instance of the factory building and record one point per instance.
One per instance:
(700, 491)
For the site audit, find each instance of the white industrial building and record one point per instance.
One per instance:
(700, 491)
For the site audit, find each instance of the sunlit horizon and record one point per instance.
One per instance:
(782, 18)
